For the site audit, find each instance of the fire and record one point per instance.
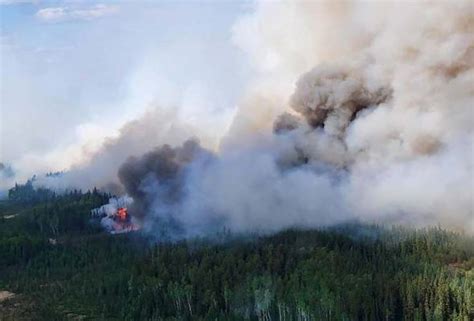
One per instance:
(122, 214)
(123, 222)
(115, 218)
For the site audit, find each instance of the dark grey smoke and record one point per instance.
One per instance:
(156, 182)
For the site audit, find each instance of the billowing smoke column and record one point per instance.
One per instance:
(157, 183)
(361, 112)
(331, 96)
(383, 134)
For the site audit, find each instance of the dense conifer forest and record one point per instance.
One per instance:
(60, 265)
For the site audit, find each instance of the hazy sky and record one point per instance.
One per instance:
(72, 71)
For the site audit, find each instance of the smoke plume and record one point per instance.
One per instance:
(360, 112)
(157, 182)
(155, 127)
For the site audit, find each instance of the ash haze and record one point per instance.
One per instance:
(253, 116)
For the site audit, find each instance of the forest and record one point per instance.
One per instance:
(60, 265)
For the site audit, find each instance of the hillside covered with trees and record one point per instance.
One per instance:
(61, 266)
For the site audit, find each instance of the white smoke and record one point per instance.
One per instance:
(107, 212)
(382, 129)
(389, 108)
(371, 105)
(155, 127)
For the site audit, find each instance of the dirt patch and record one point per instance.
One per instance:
(5, 295)
(15, 307)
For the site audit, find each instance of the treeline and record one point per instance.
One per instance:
(349, 273)
(25, 230)
(27, 193)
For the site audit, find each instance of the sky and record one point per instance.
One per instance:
(73, 72)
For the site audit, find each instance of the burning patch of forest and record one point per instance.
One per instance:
(115, 216)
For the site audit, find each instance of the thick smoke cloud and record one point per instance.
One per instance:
(331, 96)
(382, 131)
(162, 168)
(390, 107)
(157, 181)
(98, 166)
(361, 112)
(155, 127)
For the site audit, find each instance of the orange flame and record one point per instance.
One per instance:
(123, 222)
(122, 214)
